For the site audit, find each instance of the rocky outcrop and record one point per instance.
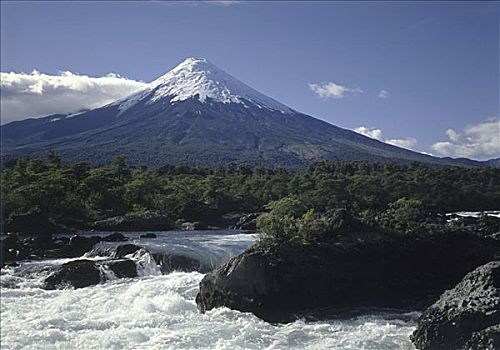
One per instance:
(147, 221)
(465, 317)
(13, 248)
(247, 222)
(148, 235)
(354, 267)
(486, 339)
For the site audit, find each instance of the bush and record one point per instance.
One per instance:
(404, 215)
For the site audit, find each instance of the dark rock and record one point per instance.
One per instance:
(122, 268)
(126, 249)
(463, 314)
(115, 237)
(79, 245)
(148, 235)
(178, 262)
(355, 269)
(148, 221)
(248, 222)
(486, 339)
(76, 274)
(11, 242)
(84, 273)
(484, 225)
(9, 249)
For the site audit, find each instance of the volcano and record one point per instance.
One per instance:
(197, 114)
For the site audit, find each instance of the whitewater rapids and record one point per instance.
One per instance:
(159, 312)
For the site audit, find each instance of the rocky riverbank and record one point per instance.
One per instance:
(352, 266)
(44, 246)
(465, 317)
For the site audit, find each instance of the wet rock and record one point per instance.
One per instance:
(79, 245)
(465, 317)
(126, 249)
(178, 262)
(148, 235)
(75, 274)
(122, 268)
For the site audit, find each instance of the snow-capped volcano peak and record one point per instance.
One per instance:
(198, 77)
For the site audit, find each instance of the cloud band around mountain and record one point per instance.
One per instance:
(36, 94)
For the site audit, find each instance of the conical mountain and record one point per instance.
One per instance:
(198, 114)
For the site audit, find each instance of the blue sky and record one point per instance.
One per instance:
(437, 61)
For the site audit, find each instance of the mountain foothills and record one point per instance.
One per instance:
(197, 114)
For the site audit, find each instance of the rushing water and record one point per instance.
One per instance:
(157, 311)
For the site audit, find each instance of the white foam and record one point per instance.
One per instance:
(160, 312)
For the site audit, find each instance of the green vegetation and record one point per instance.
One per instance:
(393, 196)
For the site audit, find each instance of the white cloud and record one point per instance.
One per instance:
(332, 90)
(375, 133)
(479, 141)
(224, 2)
(383, 93)
(408, 142)
(370, 132)
(36, 94)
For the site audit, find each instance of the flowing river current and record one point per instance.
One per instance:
(155, 311)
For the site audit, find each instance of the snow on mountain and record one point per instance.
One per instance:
(197, 77)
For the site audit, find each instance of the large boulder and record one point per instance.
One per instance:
(170, 262)
(125, 249)
(76, 274)
(465, 317)
(122, 268)
(79, 245)
(83, 273)
(147, 221)
(354, 268)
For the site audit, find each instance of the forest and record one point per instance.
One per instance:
(75, 194)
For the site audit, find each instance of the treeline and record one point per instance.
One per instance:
(72, 193)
